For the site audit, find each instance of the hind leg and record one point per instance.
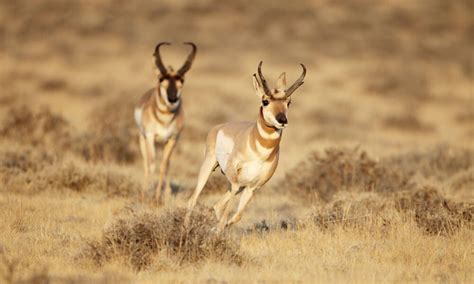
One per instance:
(244, 200)
(164, 167)
(225, 206)
(221, 205)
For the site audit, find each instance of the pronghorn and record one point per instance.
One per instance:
(247, 152)
(159, 116)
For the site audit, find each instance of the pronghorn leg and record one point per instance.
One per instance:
(221, 205)
(207, 166)
(151, 159)
(165, 164)
(244, 200)
(227, 208)
(143, 150)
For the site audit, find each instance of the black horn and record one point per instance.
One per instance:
(266, 89)
(158, 61)
(189, 61)
(297, 83)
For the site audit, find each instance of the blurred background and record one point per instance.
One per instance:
(387, 76)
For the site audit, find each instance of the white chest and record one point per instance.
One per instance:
(163, 133)
(252, 171)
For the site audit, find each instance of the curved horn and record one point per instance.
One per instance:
(264, 82)
(158, 61)
(297, 83)
(189, 61)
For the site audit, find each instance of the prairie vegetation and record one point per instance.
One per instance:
(376, 176)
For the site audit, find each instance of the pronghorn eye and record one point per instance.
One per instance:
(265, 102)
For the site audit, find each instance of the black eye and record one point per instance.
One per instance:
(265, 102)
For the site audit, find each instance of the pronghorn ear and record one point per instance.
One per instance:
(257, 87)
(281, 82)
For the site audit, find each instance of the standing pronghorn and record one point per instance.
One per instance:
(247, 152)
(159, 116)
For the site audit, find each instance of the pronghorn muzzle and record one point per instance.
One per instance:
(281, 118)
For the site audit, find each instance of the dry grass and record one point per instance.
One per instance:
(322, 176)
(30, 170)
(40, 127)
(394, 77)
(433, 213)
(144, 238)
(436, 215)
(353, 170)
(112, 136)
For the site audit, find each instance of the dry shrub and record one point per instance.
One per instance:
(322, 176)
(440, 162)
(19, 165)
(343, 169)
(112, 133)
(73, 176)
(41, 127)
(353, 212)
(142, 237)
(33, 170)
(433, 213)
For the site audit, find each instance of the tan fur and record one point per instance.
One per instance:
(155, 117)
(160, 118)
(246, 152)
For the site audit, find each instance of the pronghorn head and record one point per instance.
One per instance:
(275, 102)
(170, 81)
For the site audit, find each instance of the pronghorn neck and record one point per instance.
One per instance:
(265, 139)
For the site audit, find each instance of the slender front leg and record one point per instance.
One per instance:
(147, 144)
(144, 152)
(165, 163)
(244, 200)
(207, 166)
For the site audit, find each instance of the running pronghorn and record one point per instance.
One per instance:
(159, 116)
(247, 152)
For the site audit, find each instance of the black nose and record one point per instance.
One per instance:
(172, 99)
(281, 118)
(172, 96)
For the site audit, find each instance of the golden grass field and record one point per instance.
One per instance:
(376, 177)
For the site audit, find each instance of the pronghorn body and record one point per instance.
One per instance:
(154, 118)
(247, 152)
(160, 118)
